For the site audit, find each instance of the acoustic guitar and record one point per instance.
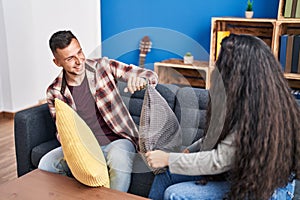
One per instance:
(145, 47)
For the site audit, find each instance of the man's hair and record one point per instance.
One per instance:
(60, 40)
(263, 114)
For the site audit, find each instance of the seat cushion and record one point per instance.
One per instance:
(39, 151)
(141, 177)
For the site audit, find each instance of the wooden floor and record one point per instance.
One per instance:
(8, 168)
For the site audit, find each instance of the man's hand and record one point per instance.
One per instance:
(135, 84)
(58, 137)
(157, 158)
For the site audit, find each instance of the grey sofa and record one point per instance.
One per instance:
(35, 129)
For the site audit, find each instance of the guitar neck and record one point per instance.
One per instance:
(142, 60)
(145, 46)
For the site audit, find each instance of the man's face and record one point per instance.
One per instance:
(71, 58)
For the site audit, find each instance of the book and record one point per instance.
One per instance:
(297, 15)
(282, 50)
(299, 63)
(289, 52)
(288, 8)
(220, 36)
(295, 54)
(294, 6)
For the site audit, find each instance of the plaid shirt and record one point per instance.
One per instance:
(101, 75)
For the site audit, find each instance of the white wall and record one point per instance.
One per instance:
(28, 26)
(5, 93)
(2, 57)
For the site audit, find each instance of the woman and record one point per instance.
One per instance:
(256, 136)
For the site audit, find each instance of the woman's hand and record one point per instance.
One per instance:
(157, 158)
(186, 151)
(135, 84)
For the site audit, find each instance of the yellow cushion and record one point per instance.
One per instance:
(81, 149)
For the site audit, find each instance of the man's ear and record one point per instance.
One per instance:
(56, 62)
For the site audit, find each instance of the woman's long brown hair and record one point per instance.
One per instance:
(262, 111)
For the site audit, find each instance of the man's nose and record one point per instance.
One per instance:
(79, 60)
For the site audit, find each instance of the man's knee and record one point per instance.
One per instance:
(120, 158)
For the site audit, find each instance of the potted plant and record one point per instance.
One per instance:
(188, 58)
(249, 9)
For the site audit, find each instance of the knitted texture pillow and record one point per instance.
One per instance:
(159, 127)
(81, 149)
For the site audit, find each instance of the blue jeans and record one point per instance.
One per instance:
(119, 156)
(165, 187)
(169, 186)
(286, 193)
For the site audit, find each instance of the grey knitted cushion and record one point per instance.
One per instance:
(159, 127)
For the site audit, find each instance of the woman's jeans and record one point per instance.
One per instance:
(169, 186)
(119, 156)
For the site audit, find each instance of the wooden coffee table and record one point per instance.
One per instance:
(44, 185)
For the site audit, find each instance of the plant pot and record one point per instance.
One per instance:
(248, 14)
(188, 59)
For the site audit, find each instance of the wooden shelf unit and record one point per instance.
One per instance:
(280, 14)
(175, 72)
(268, 30)
(263, 28)
(284, 27)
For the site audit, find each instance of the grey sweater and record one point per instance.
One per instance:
(210, 162)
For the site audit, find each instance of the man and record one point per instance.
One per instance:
(89, 87)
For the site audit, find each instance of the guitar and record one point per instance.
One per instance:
(145, 47)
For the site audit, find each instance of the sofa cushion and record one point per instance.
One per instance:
(190, 109)
(39, 151)
(80, 146)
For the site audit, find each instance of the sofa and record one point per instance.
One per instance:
(35, 130)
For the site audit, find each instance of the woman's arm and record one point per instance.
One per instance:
(201, 163)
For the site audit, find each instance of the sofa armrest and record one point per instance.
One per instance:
(32, 126)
